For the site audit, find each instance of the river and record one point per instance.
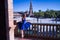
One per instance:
(40, 20)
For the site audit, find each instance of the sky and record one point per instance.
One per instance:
(24, 5)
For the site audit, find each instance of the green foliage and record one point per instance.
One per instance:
(36, 14)
(41, 14)
(47, 14)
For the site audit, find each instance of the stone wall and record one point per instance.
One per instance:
(6, 20)
(10, 17)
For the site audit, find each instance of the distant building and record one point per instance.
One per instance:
(19, 14)
(30, 9)
(29, 13)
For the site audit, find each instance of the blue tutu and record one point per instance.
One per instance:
(23, 25)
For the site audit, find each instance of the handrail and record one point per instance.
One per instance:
(42, 30)
(45, 24)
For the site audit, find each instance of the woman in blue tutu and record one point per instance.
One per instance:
(23, 25)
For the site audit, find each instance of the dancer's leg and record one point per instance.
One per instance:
(22, 33)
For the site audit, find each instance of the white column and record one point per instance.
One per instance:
(10, 19)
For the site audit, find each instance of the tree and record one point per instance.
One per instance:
(39, 10)
(37, 15)
(58, 14)
(52, 13)
(41, 14)
(47, 14)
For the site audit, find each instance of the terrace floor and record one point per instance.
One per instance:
(36, 38)
(33, 39)
(21, 39)
(26, 39)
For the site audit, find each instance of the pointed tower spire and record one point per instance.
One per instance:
(31, 9)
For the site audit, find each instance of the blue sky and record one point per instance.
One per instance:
(23, 5)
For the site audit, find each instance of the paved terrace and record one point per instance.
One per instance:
(34, 39)
(33, 33)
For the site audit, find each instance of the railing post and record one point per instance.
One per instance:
(29, 31)
(53, 31)
(50, 31)
(35, 29)
(32, 28)
(40, 30)
(56, 30)
(43, 30)
(47, 30)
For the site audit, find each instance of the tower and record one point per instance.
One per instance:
(30, 9)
